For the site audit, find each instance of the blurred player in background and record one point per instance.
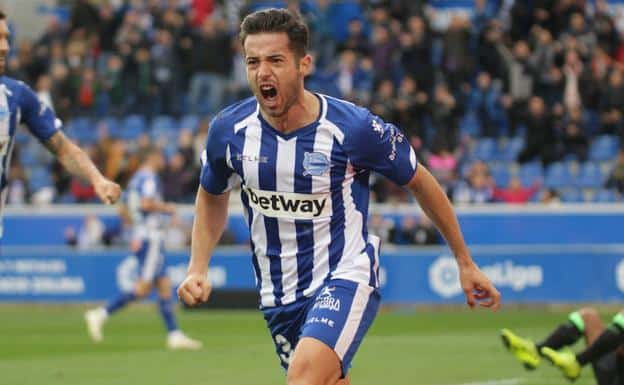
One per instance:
(147, 213)
(604, 351)
(19, 104)
(304, 161)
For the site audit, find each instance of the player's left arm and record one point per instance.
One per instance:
(79, 164)
(477, 287)
(43, 124)
(382, 147)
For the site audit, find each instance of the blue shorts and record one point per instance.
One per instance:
(339, 315)
(151, 259)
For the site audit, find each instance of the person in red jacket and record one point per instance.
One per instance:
(515, 192)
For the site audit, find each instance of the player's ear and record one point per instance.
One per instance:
(305, 65)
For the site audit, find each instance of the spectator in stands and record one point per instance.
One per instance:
(540, 138)
(178, 234)
(404, 233)
(179, 180)
(485, 100)
(443, 165)
(356, 39)
(518, 81)
(416, 52)
(382, 103)
(616, 177)
(409, 108)
(477, 189)
(515, 192)
(210, 71)
(574, 141)
(166, 70)
(18, 187)
(612, 104)
(550, 196)
(426, 233)
(445, 112)
(380, 226)
(457, 61)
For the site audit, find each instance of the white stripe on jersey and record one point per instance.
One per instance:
(253, 137)
(323, 143)
(285, 169)
(358, 307)
(357, 267)
(6, 147)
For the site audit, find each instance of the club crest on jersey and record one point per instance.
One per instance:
(315, 164)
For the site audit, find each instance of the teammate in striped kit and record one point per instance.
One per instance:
(148, 213)
(303, 162)
(19, 104)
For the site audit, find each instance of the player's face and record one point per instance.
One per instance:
(274, 72)
(4, 44)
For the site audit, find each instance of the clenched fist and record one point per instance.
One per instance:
(195, 289)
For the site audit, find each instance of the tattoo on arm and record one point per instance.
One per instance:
(72, 157)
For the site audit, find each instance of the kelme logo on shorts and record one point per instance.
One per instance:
(289, 205)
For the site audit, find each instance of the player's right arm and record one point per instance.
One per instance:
(211, 203)
(208, 225)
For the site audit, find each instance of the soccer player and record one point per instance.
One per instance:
(19, 104)
(147, 212)
(604, 350)
(303, 161)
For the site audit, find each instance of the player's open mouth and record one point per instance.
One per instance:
(269, 93)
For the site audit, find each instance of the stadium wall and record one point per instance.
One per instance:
(487, 225)
(523, 273)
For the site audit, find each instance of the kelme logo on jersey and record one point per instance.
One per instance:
(315, 164)
(289, 205)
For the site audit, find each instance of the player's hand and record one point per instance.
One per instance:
(107, 191)
(195, 289)
(477, 287)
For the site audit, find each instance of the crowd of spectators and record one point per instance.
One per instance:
(545, 76)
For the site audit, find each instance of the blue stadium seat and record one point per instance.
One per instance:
(132, 127)
(572, 196)
(605, 196)
(469, 125)
(189, 121)
(28, 157)
(162, 122)
(603, 148)
(39, 177)
(558, 175)
(529, 173)
(512, 148)
(501, 174)
(590, 176)
(485, 150)
(112, 125)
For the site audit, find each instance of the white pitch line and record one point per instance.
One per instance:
(505, 381)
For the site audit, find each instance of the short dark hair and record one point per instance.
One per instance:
(2, 15)
(278, 20)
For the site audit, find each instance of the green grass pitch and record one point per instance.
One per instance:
(48, 345)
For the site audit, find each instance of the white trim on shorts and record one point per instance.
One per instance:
(354, 319)
(153, 258)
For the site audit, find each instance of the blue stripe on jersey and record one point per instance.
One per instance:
(304, 228)
(337, 228)
(254, 257)
(267, 181)
(359, 192)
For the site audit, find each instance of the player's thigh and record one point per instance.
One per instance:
(163, 285)
(593, 324)
(314, 363)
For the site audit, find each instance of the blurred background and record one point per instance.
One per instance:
(515, 106)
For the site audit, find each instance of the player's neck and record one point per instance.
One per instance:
(303, 112)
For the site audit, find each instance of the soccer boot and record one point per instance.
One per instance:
(565, 361)
(523, 349)
(176, 340)
(95, 320)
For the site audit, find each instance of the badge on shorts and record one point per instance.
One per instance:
(315, 164)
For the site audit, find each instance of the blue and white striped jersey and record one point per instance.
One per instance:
(306, 193)
(19, 104)
(144, 183)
